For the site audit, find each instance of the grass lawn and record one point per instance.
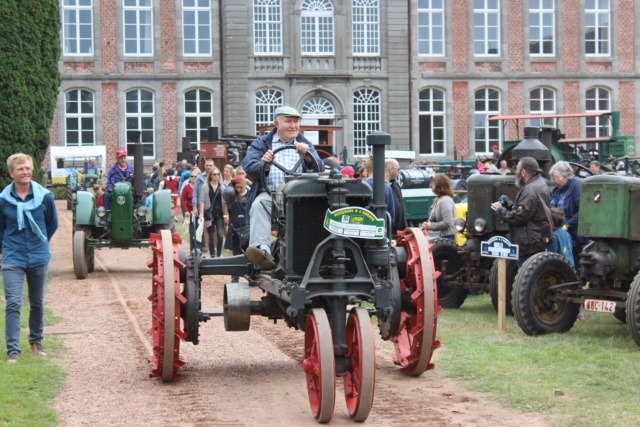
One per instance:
(27, 388)
(596, 365)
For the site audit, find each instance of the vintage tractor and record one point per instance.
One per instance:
(463, 269)
(547, 293)
(335, 270)
(127, 225)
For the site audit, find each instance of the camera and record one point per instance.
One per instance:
(506, 202)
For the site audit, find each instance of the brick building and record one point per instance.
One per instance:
(429, 72)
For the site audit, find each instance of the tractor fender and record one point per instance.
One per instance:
(85, 208)
(162, 208)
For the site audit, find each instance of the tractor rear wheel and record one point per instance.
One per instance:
(447, 250)
(360, 378)
(534, 308)
(80, 258)
(633, 310)
(512, 270)
(319, 364)
(416, 339)
(166, 299)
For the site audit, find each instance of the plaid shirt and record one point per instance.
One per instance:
(286, 158)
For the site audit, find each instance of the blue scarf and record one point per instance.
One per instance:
(25, 208)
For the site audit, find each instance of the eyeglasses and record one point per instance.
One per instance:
(215, 174)
(193, 176)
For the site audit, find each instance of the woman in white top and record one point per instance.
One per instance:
(442, 215)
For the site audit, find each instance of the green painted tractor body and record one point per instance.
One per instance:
(127, 225)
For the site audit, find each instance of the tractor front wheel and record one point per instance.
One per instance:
(80, 258)
(446, 251)
(512, 270)
(319, 365)
(534, 307)
(360, 378)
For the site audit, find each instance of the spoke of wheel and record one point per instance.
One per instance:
(319, 365)
(360, 379)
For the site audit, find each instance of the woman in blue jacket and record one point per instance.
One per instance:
(566, 196)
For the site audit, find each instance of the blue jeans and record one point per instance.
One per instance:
(13, 278)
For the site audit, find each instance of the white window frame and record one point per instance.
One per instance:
(481, 120)
(597, 18)
(142, 10)
(200, 130)
(427, 40)
(542, 100)
(84, 116)
(317, 28)
(595, 102)
(77, 10)
(267, 27)
(201, 18)
(435, 108)
(545, 13)
(366, 27)
(266, 102)
(148, 136)
(488, 12)
(367, 118)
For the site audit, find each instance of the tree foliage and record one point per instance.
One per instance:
(29, 78)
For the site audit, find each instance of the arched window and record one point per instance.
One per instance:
(487, 103)
(267, 27)
(267, 100)
(366, 118)
(79, 114)
(366, 27)
(598, 100)
(318, 112)
(542, 101)
(140, 119)
(316, 26)
(198, 115)
(431, 121)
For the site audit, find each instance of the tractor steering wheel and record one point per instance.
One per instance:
(292, 171)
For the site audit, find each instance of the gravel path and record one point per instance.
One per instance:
(230, 378)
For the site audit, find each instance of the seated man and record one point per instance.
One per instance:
(120, 171)
(285, 133)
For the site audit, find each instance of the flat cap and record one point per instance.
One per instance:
(287, 111)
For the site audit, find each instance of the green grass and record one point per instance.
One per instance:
(596, 365)
(27, 388)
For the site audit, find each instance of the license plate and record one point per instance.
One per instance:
(600, 305)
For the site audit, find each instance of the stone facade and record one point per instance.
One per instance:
(234, 73)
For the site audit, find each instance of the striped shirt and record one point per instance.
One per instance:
(285, 158)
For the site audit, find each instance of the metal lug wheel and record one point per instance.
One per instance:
(416, 339)
(360, 379)
(166, 299)
(319, 365)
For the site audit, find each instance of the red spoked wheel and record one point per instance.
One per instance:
(416, 339)
(165, 306)
(319, 365)
(360, 378)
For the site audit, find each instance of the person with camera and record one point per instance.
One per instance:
(529, 219)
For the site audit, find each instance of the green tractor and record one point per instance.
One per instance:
(548, 293)
(128, 225)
